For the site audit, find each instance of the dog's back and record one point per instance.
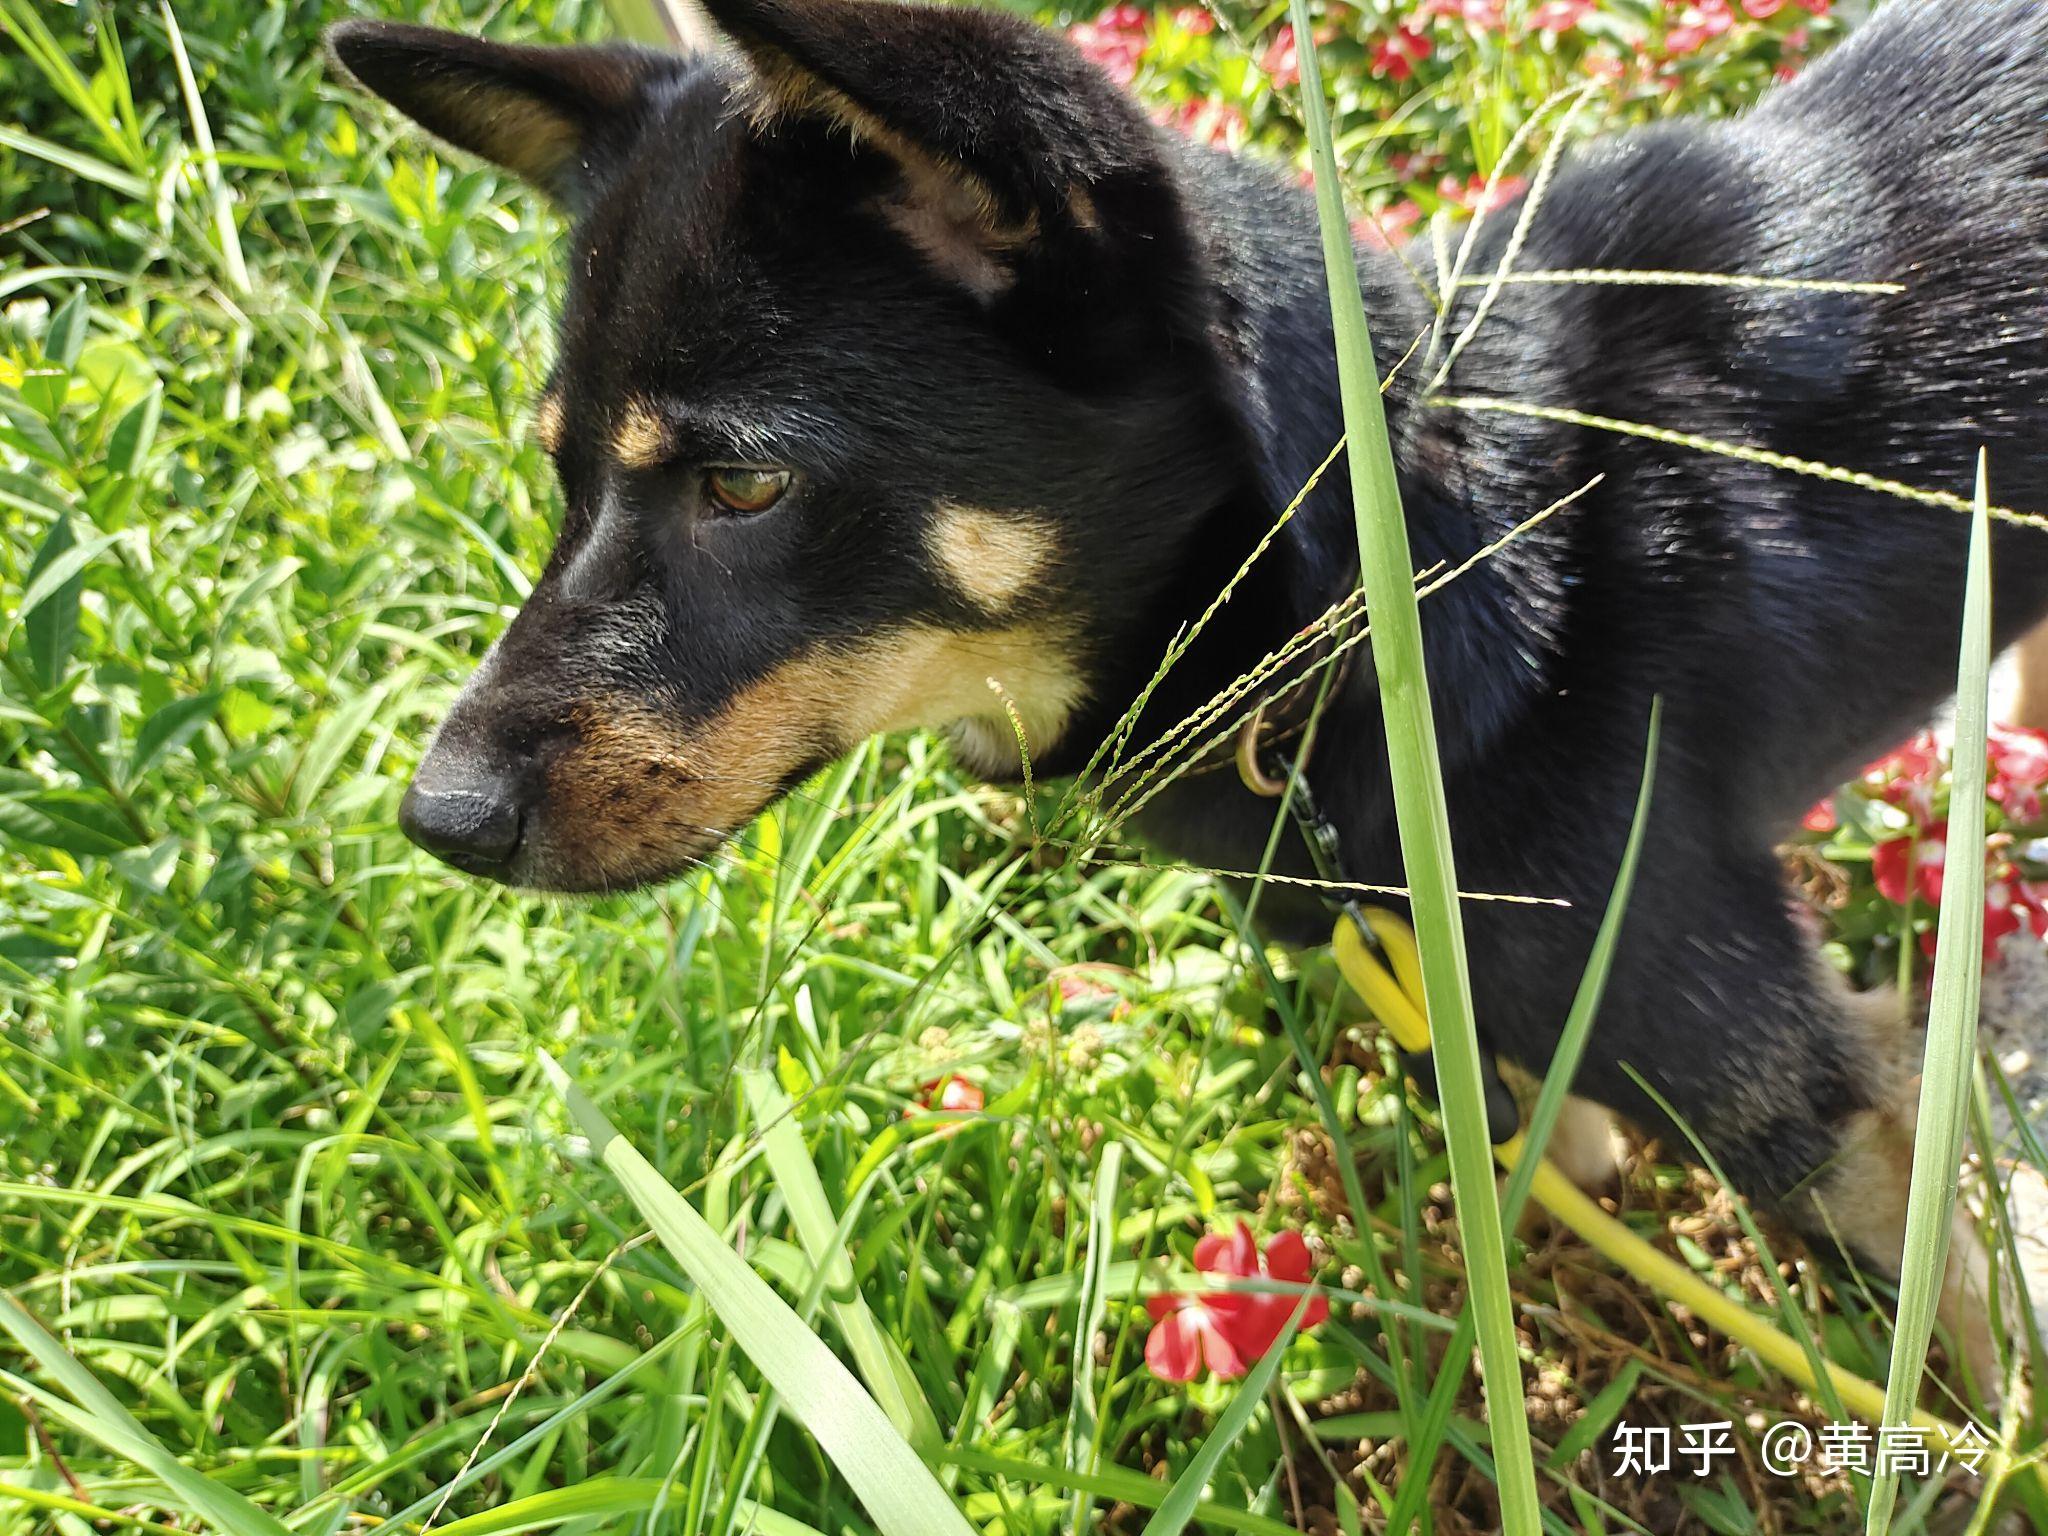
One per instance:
(1813, 613)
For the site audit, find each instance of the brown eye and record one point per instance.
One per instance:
(745, 490)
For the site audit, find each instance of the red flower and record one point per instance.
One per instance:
(1560, 15)
(1606, 66)
(2010, 905)
(1475, 197)
(1762, 10)
(1908, 865)
(2019, 771)
(1906, 778)
(1227, 1330)
(1400, 51)
(1695, 25)
(1282, 59)
(1822, 817)
(1480, 15)
(1115, 40)
(1194, 19)
(1187, 1336)
(1206, 122)
(1380, 230)
(955, 1094)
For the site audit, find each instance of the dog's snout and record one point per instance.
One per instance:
(472, 820)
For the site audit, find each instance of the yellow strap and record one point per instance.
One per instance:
(1397, 939)
(1390, 1000)
(1395, 998)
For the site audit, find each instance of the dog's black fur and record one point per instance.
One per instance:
(930, 258)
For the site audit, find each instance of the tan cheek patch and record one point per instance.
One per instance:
(636, 799)
(934, 677)
(990, 558)
(639, 439)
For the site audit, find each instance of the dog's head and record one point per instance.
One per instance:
(883, 394)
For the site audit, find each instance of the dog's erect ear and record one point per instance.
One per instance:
(1002, 130)
(550, 115)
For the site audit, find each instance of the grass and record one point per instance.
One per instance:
(293, 1227)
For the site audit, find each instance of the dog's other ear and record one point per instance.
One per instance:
(1003, 132)
(549, 115)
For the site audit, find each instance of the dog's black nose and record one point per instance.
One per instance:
(473, 823)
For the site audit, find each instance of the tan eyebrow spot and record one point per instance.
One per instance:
(548, 421)
(639, 440)
(990, 558)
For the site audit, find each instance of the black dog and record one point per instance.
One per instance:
(903, 356)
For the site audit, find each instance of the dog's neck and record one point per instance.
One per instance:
(1274, 310)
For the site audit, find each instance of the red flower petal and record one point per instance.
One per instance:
(1237, 1254)
(1287, 1258)
(1890, 868)
(1173, 1349)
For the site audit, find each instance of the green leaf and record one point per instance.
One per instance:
(66, 335)
(134, 434)
(896, 1487)
(77, 821)
(1119, 1483)
(168, 729)
(28, 277)
(337, 733)
(77, 164)
(27, 431)
(1084, 1431)
(1600, 1414)
(62, 557)
(48, 614)
(1948, 1068)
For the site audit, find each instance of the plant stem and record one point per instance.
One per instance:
(1387, 570)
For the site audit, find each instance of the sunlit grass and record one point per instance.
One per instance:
(292, 1228)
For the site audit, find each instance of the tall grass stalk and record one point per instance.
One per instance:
(1946, 1072)
(1387, 570)
(1426, 1433)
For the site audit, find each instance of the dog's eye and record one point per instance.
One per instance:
(745, 489)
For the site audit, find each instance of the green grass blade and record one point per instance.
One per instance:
(596, 1499)
(1084, 1426)
(1184, 1497)
(1387, 569)
(1947, 1070)
(60, 1504)
(101, 1415)
(1119, 1483)
(897, 1489)
(1425, 1435)
(880, 1365)
(209, 160)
